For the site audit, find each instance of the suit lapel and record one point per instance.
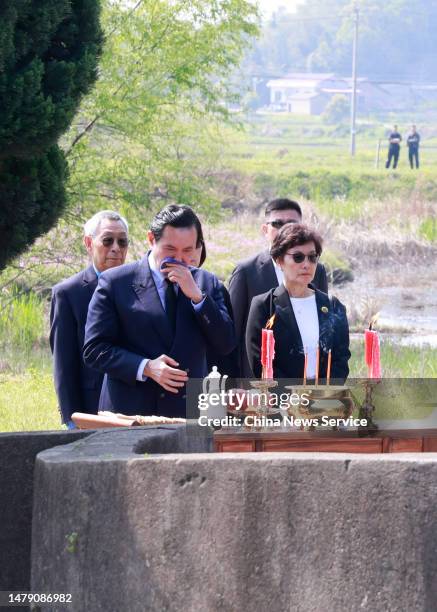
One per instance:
(286, 326)
(285, 312)
(89, 280)
(266, 272)
(326, 321)
(324, 314)
(147, 293)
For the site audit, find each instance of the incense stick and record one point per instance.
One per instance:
(328, 372)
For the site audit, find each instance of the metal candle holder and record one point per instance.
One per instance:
(264, 385)
(367, 408)
(317, 406)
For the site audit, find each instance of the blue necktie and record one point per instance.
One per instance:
(171, 303)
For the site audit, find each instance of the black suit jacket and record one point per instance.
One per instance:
(289, 351)
(127, 323)
(250, 278)
(226, 364)
(77, 386)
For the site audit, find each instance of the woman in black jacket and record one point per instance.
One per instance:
(306, 320)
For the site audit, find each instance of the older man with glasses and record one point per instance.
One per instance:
(259, 274)
(78, 386)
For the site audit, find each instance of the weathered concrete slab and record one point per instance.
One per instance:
(17, 458)
(204, 532)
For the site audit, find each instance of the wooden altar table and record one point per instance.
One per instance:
(231, 439)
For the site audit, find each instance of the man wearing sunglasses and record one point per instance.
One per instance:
(259, 274)
(78, 386)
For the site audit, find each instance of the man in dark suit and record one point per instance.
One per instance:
(226, 364)
(394, 147)
(259, 274)
(413, 142)
(150, 323)
(78, 386)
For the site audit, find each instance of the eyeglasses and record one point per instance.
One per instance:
(299, 257)
(109, 241)
(278, 223)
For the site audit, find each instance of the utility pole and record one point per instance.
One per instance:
(354, 80)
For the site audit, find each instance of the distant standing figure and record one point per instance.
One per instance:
(413, 142)
(394, 147)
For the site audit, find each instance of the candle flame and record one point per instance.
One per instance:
(270, 322)
(373, 320)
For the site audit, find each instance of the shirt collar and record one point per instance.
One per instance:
(96, 271)
(156, 273)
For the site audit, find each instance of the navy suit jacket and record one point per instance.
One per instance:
(226, 364)
(250, 278)
(77, 386)
(127, 323)
(289, 351)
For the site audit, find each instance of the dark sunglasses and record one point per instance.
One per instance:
(278, 223)
(299, 257)
(109, 241)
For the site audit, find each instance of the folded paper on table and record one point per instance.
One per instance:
(111, 419)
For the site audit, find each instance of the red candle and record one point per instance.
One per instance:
(328, 371)
(372, 353)
(264, 347)
(368, 348)
(267, 352)
(376, 359)
(268, 349)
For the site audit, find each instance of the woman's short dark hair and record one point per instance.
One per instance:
(294, 234)
(176, 215)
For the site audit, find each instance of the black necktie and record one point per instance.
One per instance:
(171, 303)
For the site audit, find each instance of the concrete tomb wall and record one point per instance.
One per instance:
(17, 459)
(122, 528)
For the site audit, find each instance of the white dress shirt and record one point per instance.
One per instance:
(305, 311)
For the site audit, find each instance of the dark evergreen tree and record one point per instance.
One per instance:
(49, 51)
